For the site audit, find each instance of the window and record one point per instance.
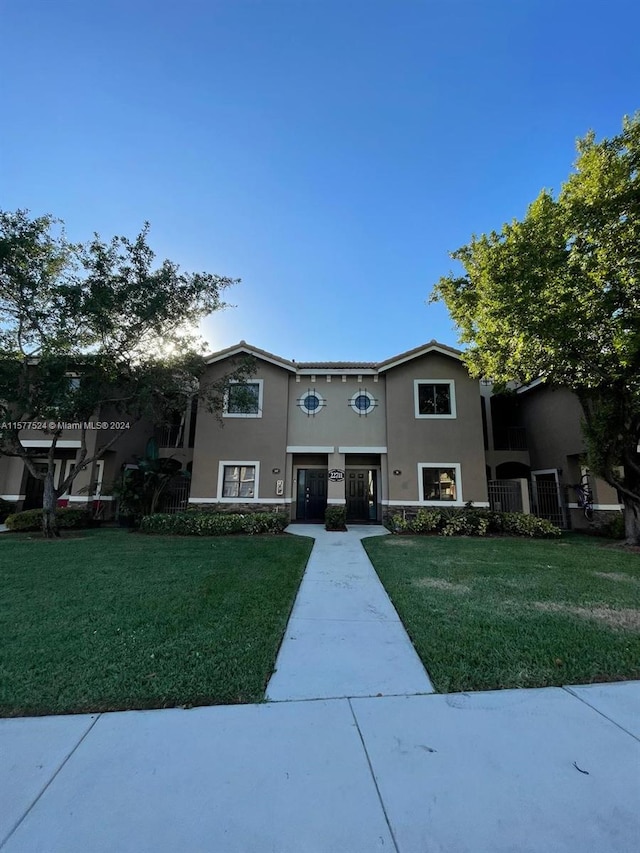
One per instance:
(243, 400)
(439, 482)
(311, 402)
(434, 398)
(362, 403)
(239, 481)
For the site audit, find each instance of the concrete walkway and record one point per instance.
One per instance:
(553, 770)
(344, 637)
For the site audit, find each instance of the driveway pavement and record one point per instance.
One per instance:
(553, 770)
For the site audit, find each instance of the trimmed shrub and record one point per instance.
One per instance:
(67, 517)
(453, 521)
(213, 524)
(612, 528)
(335, 517)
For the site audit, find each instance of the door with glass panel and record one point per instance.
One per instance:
(361, 495)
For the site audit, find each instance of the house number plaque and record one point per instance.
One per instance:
(336, 475)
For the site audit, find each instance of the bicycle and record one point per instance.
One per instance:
(585, 496)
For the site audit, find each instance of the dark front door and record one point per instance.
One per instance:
(361, 494)
(312, 494)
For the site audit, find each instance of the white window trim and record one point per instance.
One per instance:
(67, 471)
(369, 396)
(222, 464)
(99, 479)
(452, 396)
(258, 414)
(459, 501)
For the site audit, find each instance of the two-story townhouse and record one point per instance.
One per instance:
(376, 437)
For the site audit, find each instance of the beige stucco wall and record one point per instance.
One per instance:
(336, 424)
(262, 440)
(449, 440)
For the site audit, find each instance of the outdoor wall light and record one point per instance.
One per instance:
(275, 470)
(397, 472)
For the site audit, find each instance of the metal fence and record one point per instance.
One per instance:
(505, 496)
(176, 497)
(511, 438)
(547, 501)
(169, 435)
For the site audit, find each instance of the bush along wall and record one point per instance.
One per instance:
(212, 524)
(472, 522)
(335, 517)
(67, 517)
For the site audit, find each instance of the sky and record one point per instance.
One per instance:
(328, 153)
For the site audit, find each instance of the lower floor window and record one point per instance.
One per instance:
(239, 481)
(439, 484)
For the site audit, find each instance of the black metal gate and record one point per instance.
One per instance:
(505, 495)
(176, 497)
(547, 500)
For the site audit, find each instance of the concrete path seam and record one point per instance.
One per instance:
(48, 784)
(593, 708)
(373, 776)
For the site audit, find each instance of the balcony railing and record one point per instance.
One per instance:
(511, 438)
(170, 435)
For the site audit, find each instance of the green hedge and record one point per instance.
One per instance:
(472, 522)
(335, 517)
(66, 517)
(213, 524)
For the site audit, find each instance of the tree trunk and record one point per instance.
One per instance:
(49, 500)
(632, 523)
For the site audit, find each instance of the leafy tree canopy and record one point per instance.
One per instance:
(93, 325)
(557, 296)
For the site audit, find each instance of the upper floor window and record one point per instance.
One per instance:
(243, 400)
(311, 402)
(363, 402)
(434, 398)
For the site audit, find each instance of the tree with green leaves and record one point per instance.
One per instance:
(94, 326)
(556, 297)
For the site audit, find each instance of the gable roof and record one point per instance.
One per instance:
(432, 346)
(243, 348)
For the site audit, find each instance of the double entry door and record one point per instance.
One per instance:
(361, 493)
(311, 494)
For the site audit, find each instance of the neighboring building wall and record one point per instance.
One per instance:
(553, 421)
(11, 470)
(445, 441)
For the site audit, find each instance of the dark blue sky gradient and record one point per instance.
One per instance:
(329, 154)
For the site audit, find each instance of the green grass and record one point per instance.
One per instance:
(110, 620)
(496, 613)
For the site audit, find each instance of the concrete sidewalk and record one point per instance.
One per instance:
(553, 770)
(344, 637)
(536, 771)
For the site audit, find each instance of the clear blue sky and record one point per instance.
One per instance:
(330, 153)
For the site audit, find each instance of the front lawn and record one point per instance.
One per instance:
(104, 620)
(497, 613)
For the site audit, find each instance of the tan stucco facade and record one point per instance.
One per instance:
(363, 426)
(362, 435)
